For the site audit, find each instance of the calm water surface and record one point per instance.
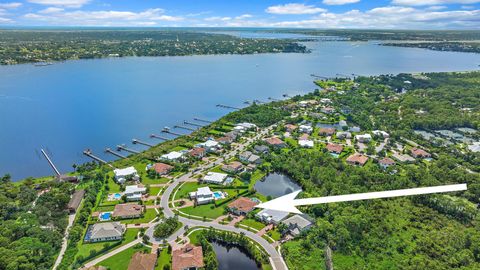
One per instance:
(232, 258)
(276, 185)
(68, 107)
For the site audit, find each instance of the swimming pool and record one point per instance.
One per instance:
(105, 216)
(217, 195)
(117, 196)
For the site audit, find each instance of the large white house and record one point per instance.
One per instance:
(305, 129)
(172, 156)
(121, 175)
(363, 137)
(210, 146)
(134, 192)
(203, 195)
(215, 178)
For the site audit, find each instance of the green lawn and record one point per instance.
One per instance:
(275, 234)
(112, 186)
(154, 191)
(121, 260)
(148, 216)
(163, 259)
(182, 193)
(252, 223)
(204, 211)
(193, 237)
(84, 249)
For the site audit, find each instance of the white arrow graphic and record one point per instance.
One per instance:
(288, 202)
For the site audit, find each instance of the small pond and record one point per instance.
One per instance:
(276, 185)
(231, 257)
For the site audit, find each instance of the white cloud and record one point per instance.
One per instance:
(51, 10)
(432, 2)
(104, 18)
(339, 2)
(217, 18)
(243, 16)
(436, 7)
(62, 3)
(294, 8)
(392, 17)
(10, 5)
(5, 20)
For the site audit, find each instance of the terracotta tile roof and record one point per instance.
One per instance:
(232, 166)
(197, 152)
(225, 139)
(417, 152)
(127, 209)
(304, 137)
(186, 257)
(142, 261)
(290, 127)
(326, 131)
(162, 168)
(387, 161)
(242, 204)
(274, 141)
(357, 159)
(334, 148)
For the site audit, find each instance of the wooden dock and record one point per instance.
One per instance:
(90, 154)
(124, 148)
(202, 120)
(110, 151)
(167, 130)
(192, 124)
(184, 127)
(135, 141)
(228, 107)
(155, 136)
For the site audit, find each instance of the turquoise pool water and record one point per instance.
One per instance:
(217, 195)
(117, 196)
(105, 216)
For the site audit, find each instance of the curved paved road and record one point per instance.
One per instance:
(275, 258)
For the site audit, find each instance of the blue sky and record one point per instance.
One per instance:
(382, 14)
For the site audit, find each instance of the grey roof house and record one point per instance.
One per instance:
(297, 224)
(271, 216)
(107, 231)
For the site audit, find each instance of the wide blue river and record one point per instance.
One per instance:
(68, 107)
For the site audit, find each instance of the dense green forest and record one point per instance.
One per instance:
(27, 46)
(454, 46)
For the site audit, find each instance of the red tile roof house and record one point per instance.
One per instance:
(290, 127)
(304, 137)
(357, 159)
(233, 167)
(127, 210)
(162, 168)
(197, 152)
(420, 153)
(334, 148)
(187, 258)
(241, 206)
(276, 142)
(386, 162)
(143, 261)
(326, 131)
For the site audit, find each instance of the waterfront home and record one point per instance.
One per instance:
(241, 206)
(275, 142)
(214, 178)
(290, 127)
(381, 133)
(210, 146)
(162, 168)
(261, 149)
(354, 129)
(197, 152)
(134, 192)
(363, 138)
(122, 175)
(344, 135)
(334, 148)
(225, 140)
(203, 195)
(419, 153)
(75, 200)
(305, 129)
(247, 125)
(254, 159)
(173, 156)
(233, 167)
(386, 162)
(304, 141)
(326, 131)
(297, 224)
(127, 210)
(271, 216)
(189, 257)
(244, 156)
(307, 103)
(357, 159)
(105, 231)
(143, 261)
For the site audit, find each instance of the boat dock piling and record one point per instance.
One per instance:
(110, 151)
(135, 141)
(192, 124)
(57, 172)
(166, 130)
(228, 107)
(155, 136)
(184, 127)
(122, 147)
(273, 99)
(90, 154)
(259, 101)
(202, 120)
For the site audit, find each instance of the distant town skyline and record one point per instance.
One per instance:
(383, 14)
